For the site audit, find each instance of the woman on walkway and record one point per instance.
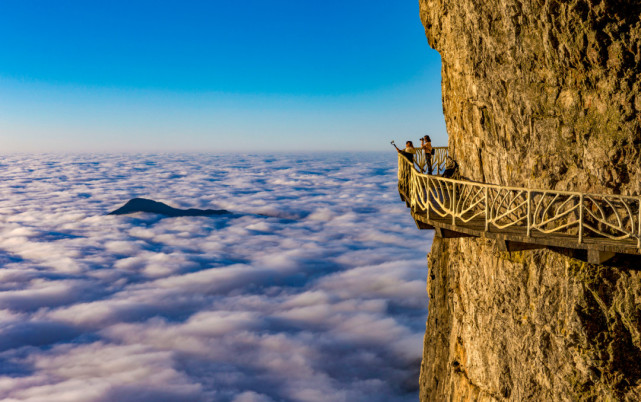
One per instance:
(426, 145)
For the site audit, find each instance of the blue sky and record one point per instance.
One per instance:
(215, 76)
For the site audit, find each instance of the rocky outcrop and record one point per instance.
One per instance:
(145, 205)
(543, 94)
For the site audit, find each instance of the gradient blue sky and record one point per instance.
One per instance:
(215, 76)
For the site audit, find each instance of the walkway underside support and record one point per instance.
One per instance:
(510, 246)
(599, 257)
(590, 255)
(450, 234)
(422, 225)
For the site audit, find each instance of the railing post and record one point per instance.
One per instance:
(581, 218)
(410, 169)
(427, 196)
(487, 210)
(412, 189)
(453, 206)
(529, 212)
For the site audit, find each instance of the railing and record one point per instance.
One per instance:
(579, 216)
(438, 160)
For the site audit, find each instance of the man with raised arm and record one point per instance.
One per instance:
(409, 150)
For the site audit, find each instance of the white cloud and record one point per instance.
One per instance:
(313, 290)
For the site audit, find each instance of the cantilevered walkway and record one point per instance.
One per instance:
(594, 226)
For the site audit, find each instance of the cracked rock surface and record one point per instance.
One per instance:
(543, 94)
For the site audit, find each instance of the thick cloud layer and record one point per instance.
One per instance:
(312, 290)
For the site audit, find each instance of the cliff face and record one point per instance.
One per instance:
(544, 94)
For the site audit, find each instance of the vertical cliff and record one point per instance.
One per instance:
(544, 94)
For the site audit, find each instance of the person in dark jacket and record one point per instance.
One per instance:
(451, 170)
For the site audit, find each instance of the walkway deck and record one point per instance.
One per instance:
(522, 218)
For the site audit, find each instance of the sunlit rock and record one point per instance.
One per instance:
(539, 94)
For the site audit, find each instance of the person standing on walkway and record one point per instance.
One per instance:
(426, 145)
(409, 150)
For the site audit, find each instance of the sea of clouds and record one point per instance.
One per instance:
(312, 290)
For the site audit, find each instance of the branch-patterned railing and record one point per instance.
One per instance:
(496, 208)
(438, 160)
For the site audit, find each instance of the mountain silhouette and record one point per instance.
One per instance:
(155, 207)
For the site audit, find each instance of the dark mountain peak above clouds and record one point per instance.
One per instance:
(145, 205)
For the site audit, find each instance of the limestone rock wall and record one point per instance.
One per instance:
(531, 325)
(545, 94)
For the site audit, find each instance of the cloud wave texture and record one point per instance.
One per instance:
(313, 290)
